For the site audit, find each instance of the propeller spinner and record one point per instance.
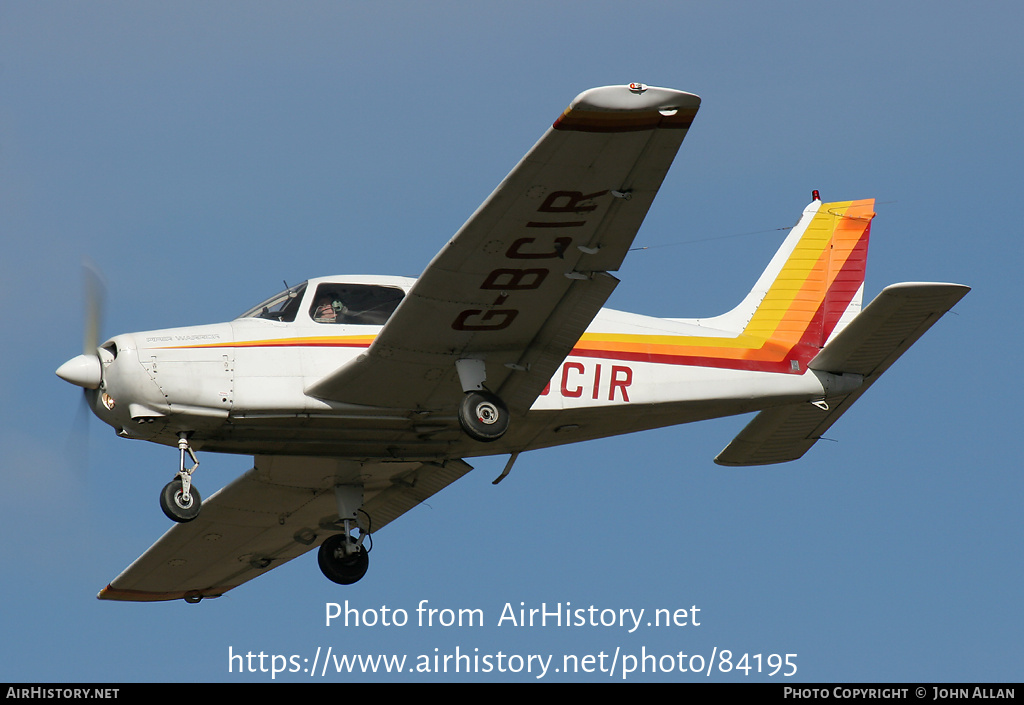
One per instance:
(85, 370)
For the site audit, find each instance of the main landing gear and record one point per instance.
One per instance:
(179, 500)
(483, 416)
(343, 559)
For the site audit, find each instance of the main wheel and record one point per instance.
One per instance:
(483, 416)
(339, 567)
(176, 506)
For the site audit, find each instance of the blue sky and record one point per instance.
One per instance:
(202, 153)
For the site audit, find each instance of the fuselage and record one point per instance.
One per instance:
(241, 386)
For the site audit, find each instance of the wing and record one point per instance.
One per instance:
(527, 273)
(868, 346)
(282, 508)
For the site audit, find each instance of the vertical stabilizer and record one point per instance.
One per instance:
(814, 284)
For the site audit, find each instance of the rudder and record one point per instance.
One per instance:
(813, 286)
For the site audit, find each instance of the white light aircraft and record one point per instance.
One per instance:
(360, 396)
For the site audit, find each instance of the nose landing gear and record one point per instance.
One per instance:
(179, 505)
(179, 500)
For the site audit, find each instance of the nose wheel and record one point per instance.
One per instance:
(179, 499)
(179, 505)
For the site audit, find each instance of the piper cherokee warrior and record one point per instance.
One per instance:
(359, 397)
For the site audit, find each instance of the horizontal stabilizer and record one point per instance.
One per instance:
(868, 346)
(884, 330)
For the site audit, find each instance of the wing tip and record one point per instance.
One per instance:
(629, 109)
(951, 289)
(635, 97)
(121, 595)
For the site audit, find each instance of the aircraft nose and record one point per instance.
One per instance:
(83, 370)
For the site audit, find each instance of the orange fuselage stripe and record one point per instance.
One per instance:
(798, 313)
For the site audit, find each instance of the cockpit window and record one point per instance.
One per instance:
(355, 304)
(280, 307)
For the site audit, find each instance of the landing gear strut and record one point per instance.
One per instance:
(342, 557)
(179, 500)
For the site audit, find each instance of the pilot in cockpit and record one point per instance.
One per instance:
(325, 310)
(330, 306)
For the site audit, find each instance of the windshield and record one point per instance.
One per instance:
(280, 307)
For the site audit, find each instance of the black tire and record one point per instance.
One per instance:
(175, 507)
(483, 416)
(338, 568)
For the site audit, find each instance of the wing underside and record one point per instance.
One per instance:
(277, 511)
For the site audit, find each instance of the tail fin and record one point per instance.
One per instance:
(812, 288)
(814, 285)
